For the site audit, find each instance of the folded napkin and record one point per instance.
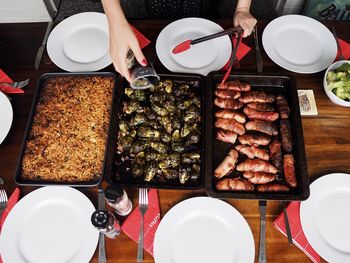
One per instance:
(6, 89)
(143, 41)
(299, 239)
(131, 225)
(345, 48)
(242, 51)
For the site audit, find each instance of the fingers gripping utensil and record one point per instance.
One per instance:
(233, 55)
(188, 43)
(262, 238)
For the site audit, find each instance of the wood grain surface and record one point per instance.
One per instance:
(327, 136)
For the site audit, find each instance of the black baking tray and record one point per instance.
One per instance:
(217, 150)
(114, 177)
(41, 83)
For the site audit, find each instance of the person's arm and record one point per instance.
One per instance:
(243, 18)
(121, 38)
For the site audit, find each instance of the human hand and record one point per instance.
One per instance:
(243, 18)
(121, 39)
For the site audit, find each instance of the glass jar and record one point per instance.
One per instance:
(118, 199)
(106, 223)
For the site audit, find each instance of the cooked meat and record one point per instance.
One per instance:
(234, 184)
(289, 170)
(262, 126)
(286, 136)
(226, 136)
(272, 187)
(228, 103)
(227, 94)
(256, 165)
(260, 115)
(235, 85)
(276, 154)
(282, 106)
(252, 151)
(261, 106)
(227, 165)
(230, 125)
(254, 139)
(257, 96)
(259, 177)
(230, 114)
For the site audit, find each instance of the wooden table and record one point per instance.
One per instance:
(327, 136)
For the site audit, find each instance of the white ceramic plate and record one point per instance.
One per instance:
(206, 230)
(300, 44)
(51, 224)
(325, 217)
(80, 43)
(6, 116)
(201, 58)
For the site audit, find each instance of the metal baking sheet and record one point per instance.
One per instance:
(40, 85)
(115, 175)
(217, 150)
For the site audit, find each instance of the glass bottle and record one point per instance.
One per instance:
(106, 223)
(118, 199)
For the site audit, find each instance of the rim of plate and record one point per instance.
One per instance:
(329, 184)
(325, 36)
(187, 208)
(6, 115)
(167, 59)
(64, 29)
(11, 230)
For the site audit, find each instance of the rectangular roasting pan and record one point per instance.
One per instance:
(40, 85)
(216, 150)
(113, 176)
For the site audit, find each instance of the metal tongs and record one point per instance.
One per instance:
(238, 34)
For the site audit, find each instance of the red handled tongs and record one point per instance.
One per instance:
(233, 58)
(183, 46)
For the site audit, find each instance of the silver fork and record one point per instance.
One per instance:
(143, 206)
(16, 84)
(3, 201)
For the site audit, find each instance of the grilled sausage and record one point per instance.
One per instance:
(259, 177)
(260, 115)
(227, 94)
(276, 154)
(257, 96)
(272, 187)
(227, 165)
(228, 103)
(230, 125)
(254, 139)
(230, 114)
(262, 126)
(261, 106)
(234, 184)
(289, 170)
(282, 106)
(235, 85)
(286, 136)
(252, 151)
(226, 136)
(256, 165)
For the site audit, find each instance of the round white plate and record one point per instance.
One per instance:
(300, 44)
(325, 217)
(201, 58)
(80, 43)
(51, 224)
(6, 116)
(206, 230)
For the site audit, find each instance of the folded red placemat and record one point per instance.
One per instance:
(345, 48)
(12, 201)
(131, 225)
(143, 41)
(299, 239)
(5, 89)
(242, 51)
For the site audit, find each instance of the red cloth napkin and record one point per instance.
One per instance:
(11, 203)
(299, 239)
(5, 89)
(345, 48)
(131, 225)
(143, 41)
(243, 50)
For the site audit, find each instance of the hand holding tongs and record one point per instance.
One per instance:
(185, 45)
(238, 35)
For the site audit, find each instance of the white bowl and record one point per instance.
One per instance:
(329, 93)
